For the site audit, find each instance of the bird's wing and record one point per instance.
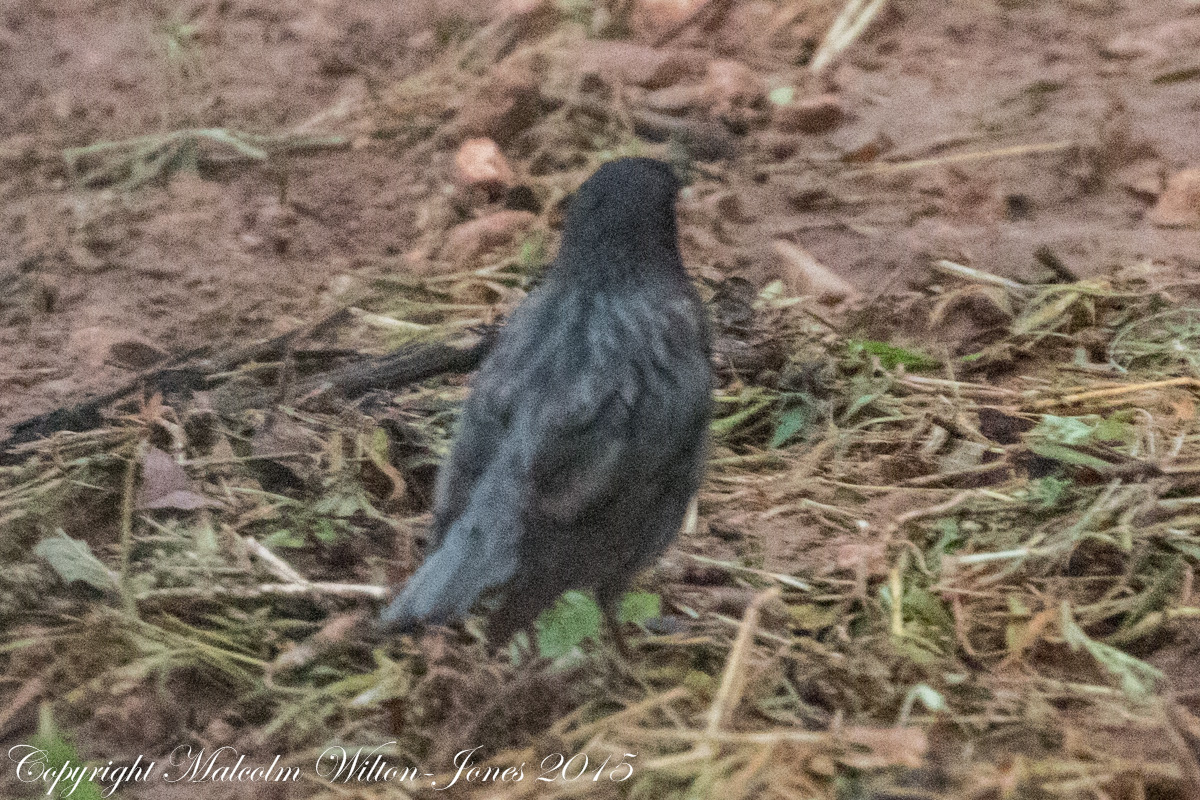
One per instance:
(606, 451)
(577, 467)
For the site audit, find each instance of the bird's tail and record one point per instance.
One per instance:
(468, 563)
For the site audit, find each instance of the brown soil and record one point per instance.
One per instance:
(214, 259)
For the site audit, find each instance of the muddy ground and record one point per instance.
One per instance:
(210, 260)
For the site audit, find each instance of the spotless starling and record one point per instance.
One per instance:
(584, 437)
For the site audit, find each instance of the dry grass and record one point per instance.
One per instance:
(976, 581)
(969, 610)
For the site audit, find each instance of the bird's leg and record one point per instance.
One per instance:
(613, 625)
(609, 600)
(621, 661)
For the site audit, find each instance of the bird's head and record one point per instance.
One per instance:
(622, 219)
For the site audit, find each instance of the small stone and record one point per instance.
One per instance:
(421, 42)
(732, 83)
(729, 207)
(1172, 39)
(479, 162)
(863, 147)
(677, 99)
(18, 151)
(1143, 179)
(507, 8)
(656, 16)
(1179, 204)
(526, 19)
(735, 93)
(85, 261)
(780, 146)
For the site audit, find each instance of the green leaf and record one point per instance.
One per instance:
(1068, 455)
(325, 531)
(283, 539)
(73, 561)
(858, 404)
(348, 506)
(58, 752)
(533, 252)
(1112, 429)
(574, 619)
(924, 607)
(890, 355)
(951, 540)
(1048, 492)
(727, 425)
(1188, 548)
(773, 291)
(1158, 595)
(926, 695)
(1064, 430)
(1045, 313)
(790, 423)
(812, 617)
(639, 607)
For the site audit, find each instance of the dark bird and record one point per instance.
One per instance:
(584, 437)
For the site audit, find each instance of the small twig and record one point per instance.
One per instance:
(979, 276)
(924, 513)
(728, 695)
(729, 737)
(964, 389)
(585, 732)
(1185, 752)
(349, 591)
(127, 502)
(273, 563)
(976, 472)
(29, 691)
(848, 26)
(703, 13)
(786, 580)
(896, 590)
(1102, 394)
(733, 679)
(958, 158)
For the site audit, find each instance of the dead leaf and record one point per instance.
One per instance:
(638, 64)
(166, 485)
(819, 114)
(97, 346)
(73, 560)
(805, 276)
(506, 104)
